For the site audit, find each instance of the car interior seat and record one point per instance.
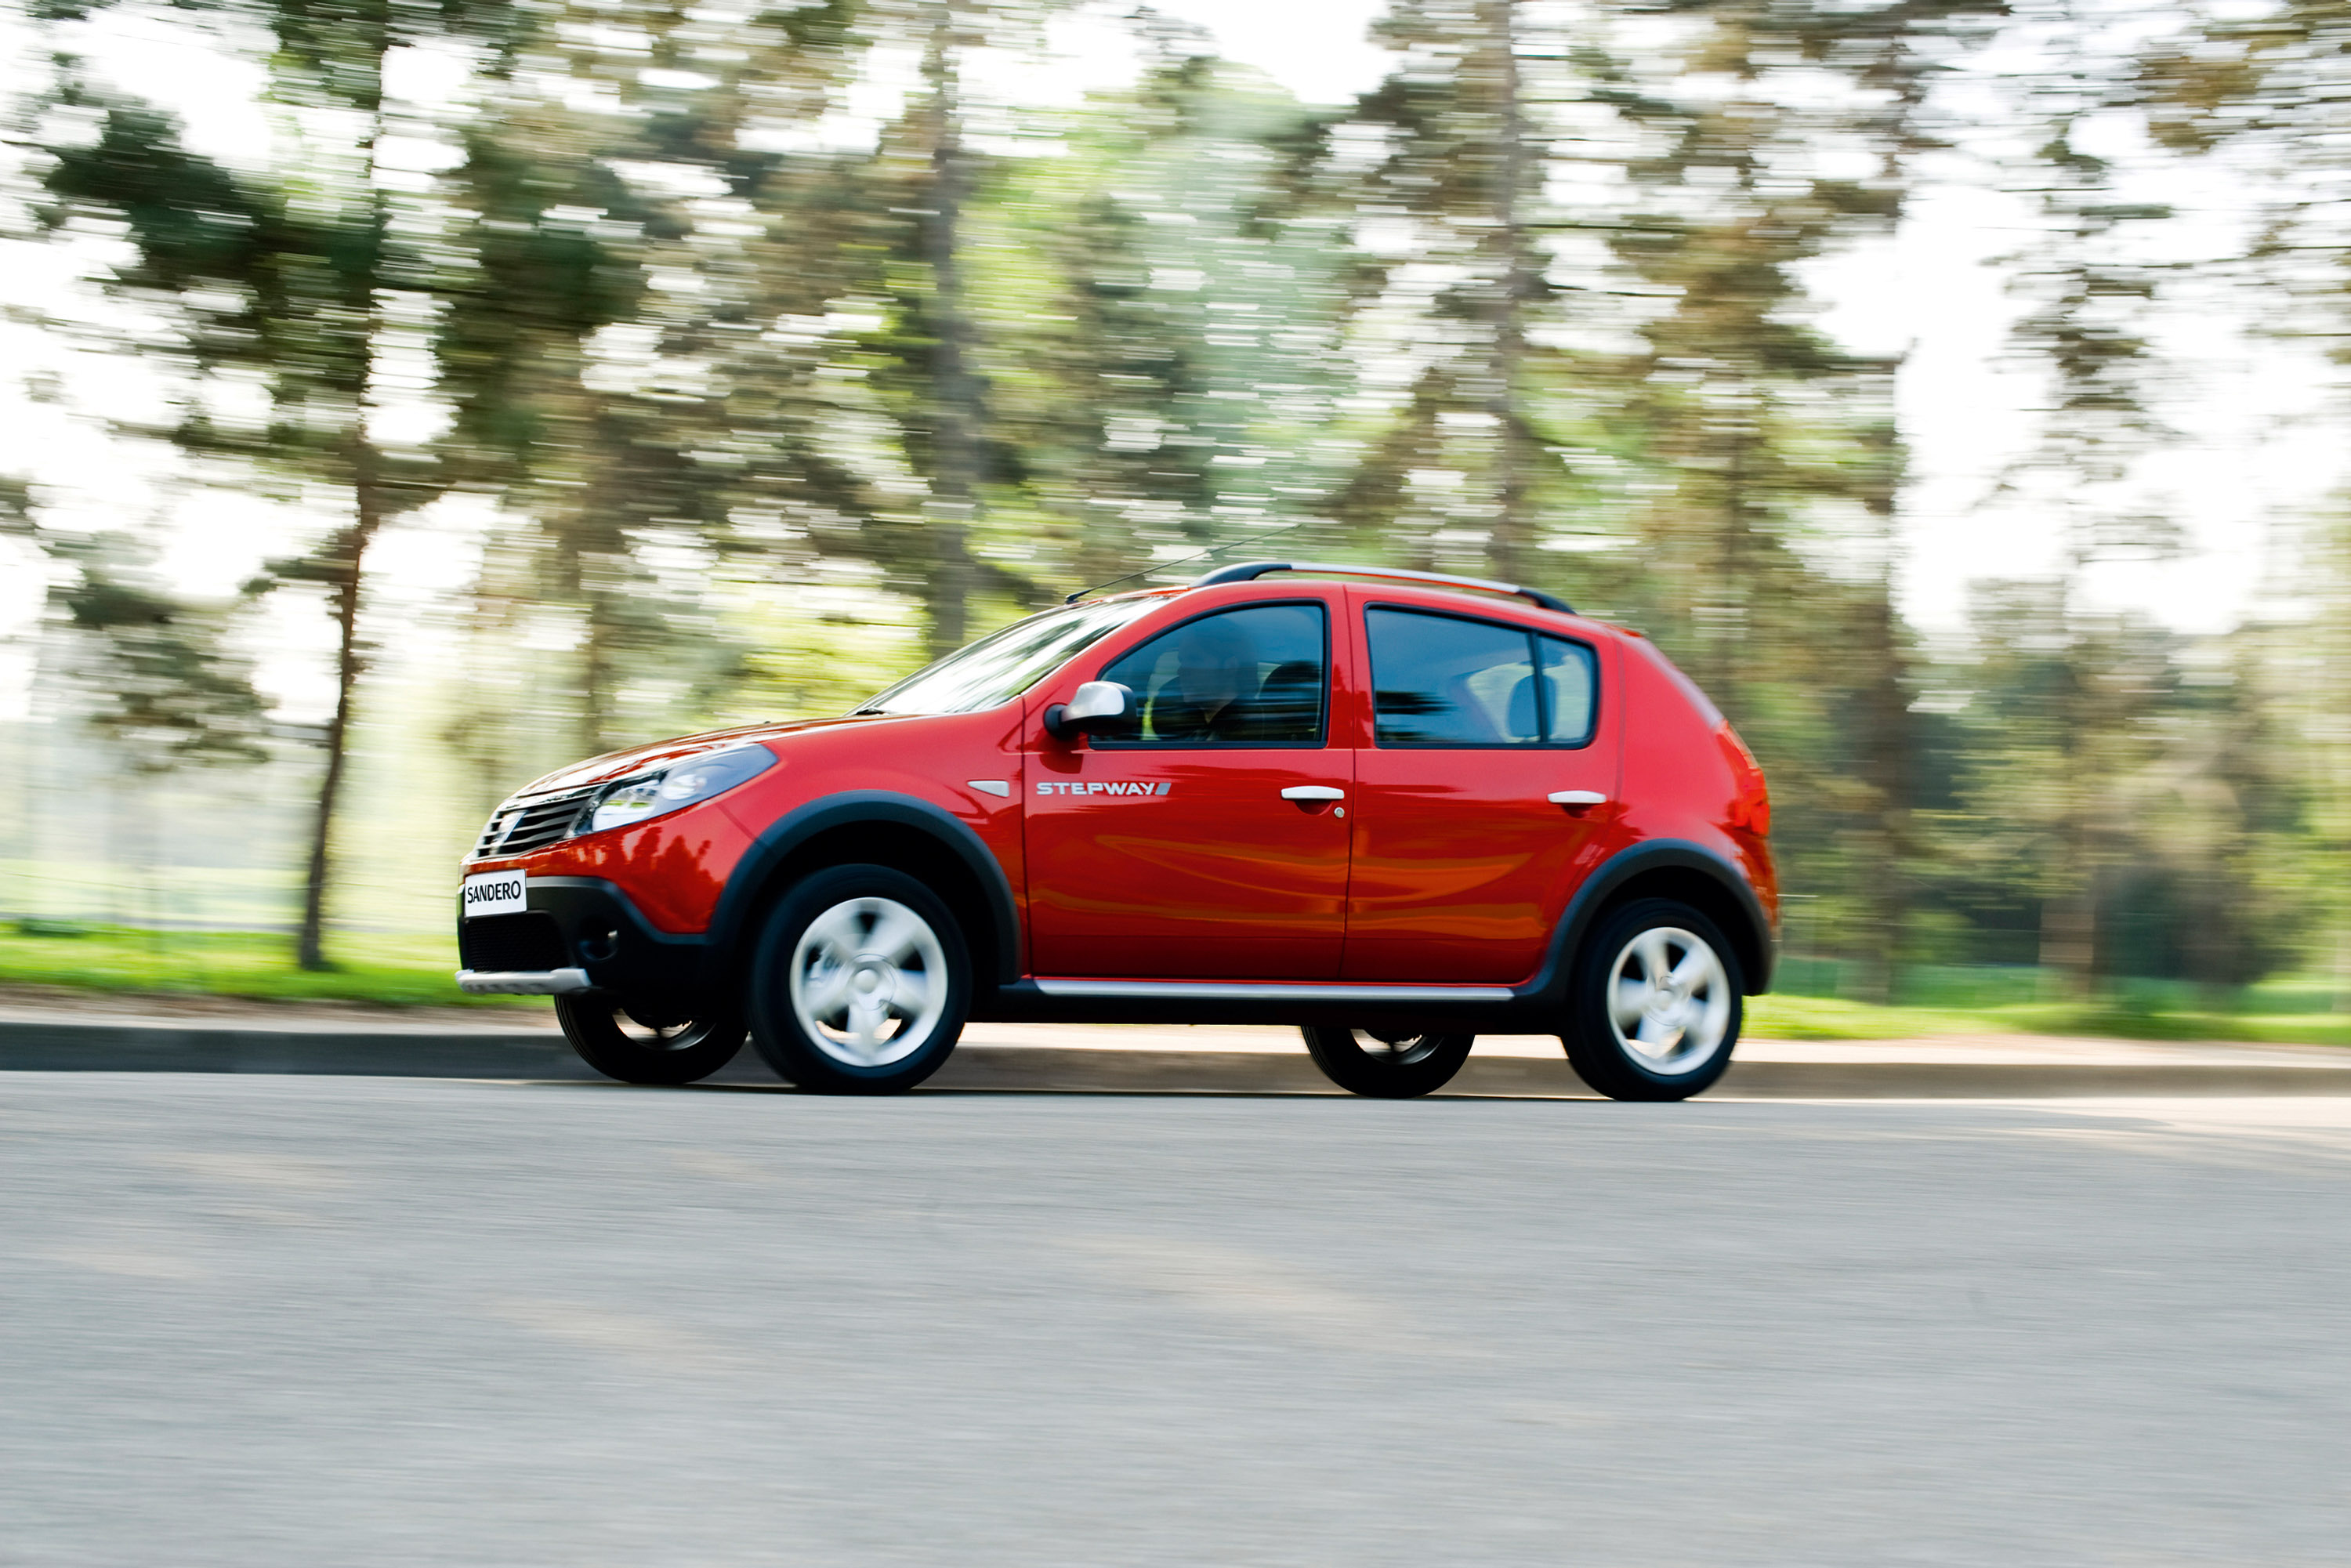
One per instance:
(1288, 704)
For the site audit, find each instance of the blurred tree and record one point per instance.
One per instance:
(290, 282)
(595, 287)
(1443, 168)
(1598, 248)
(1166, 364)
(748, 368)
(1887, 60)
(2261, 87)
(2320, 696)
(921, 362)
(1769, 523)
(2063, 753)
(2088, 292)
(2142, 784)
(157, 668)
(168, 687)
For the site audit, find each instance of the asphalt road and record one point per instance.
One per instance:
(265, 1320)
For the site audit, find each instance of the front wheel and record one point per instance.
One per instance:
(1655, 1010)
(645, 1045)
(1384, 1064)
(860, 983)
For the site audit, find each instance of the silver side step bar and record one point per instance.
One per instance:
(1273, 991)
(522, 982)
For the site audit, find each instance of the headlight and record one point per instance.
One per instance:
(680, 784)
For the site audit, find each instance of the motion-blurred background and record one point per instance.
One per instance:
(405, 396)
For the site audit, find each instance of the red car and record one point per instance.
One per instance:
(1392, 808)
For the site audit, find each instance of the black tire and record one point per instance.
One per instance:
(646, 1046)
(1603, 1054)
(1392, 1066)
(818, 928)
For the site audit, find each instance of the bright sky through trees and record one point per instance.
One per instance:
(2250, 454)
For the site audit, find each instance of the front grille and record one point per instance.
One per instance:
(518, 830)
(528, 942)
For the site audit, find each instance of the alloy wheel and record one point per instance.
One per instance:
(869, 981)
(1669, 1000)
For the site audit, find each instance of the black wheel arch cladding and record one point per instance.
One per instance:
(886, 828)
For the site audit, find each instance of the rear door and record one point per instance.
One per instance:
(1211, 843)
(1463, 859)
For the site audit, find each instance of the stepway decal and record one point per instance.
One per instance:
(1099, 787)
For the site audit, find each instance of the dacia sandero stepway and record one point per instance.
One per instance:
(1394, 809)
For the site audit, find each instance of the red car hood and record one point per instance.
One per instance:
(643, 759)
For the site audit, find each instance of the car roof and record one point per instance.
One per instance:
(1435, 590)
(1249, 571)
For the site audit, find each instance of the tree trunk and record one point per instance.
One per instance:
(2069, 935)
(1886, 767)
(351, 552)
(955, 476)
(598, 670)
(348, 563)
(1720, 630)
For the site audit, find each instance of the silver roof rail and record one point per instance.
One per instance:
(1250, 571)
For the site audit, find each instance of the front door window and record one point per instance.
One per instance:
(1254, 677)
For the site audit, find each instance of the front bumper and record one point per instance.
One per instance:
(522, 982)
(579, 934)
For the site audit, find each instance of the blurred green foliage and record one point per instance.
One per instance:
(767, 394)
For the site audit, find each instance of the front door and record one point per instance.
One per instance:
(1210, 843)
(1464, 860)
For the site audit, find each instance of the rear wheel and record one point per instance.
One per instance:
(860, 983)
(645, 1044)
(1387, 1064)
(1656, 1010)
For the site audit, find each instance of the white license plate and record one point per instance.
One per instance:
(494, 892)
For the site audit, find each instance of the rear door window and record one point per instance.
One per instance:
(1449, 681)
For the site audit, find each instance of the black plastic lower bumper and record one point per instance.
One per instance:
(579, 923)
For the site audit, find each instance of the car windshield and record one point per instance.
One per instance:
(1000, 666)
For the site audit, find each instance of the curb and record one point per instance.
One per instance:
(69, 1045)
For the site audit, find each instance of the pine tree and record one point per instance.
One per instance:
(608, 451)
(1466, 136)
(2088, 294)
(2265, 91)
(291, 277)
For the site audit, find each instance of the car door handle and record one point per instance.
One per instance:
(1312, 792)
(1576, 798)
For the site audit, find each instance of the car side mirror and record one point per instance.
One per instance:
(1096, 705)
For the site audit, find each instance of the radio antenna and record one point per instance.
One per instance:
(1183, 560)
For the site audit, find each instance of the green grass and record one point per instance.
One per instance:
(414, 970)
(1779, 1016)
(2182, 1023)
(396, 970)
